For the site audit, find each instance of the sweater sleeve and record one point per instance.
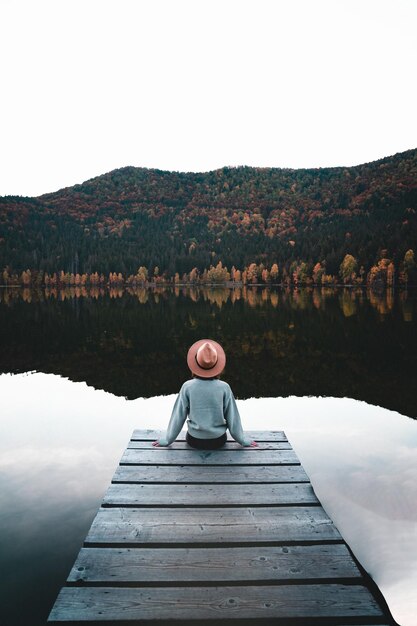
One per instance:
(232, 417)
(178, 417)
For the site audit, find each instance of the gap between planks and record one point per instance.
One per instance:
(287, 559)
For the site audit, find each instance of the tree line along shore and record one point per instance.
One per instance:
(383, 274)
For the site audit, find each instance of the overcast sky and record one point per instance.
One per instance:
(192, 85)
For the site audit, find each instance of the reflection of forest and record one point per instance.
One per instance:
(346, 342)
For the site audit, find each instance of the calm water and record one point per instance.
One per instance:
(338, 343)
(60, 440)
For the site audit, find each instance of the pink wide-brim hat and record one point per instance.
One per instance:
(206, 358)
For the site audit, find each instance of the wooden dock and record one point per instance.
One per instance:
(209, 536)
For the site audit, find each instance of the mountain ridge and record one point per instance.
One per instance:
(177, 221)
(224, 167)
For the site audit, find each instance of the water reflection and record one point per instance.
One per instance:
(349, 298)
(300, 299)
(61, 441)
(334, 342)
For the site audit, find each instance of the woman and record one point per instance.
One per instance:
(207, 401)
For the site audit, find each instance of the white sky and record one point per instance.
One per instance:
(88, 86)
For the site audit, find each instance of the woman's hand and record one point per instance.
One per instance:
(156, 444)
(253, 444)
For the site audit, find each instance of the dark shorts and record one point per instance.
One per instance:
(206, 444)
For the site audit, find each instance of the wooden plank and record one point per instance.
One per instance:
(272, 563)
(229, 445)
(257, 435)
(236, 525)
(177, 525)
(182, 603)
(209, 495)
(244, 456)
(209, 474)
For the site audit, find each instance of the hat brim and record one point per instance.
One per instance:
(201, 371)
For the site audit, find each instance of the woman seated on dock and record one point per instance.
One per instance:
(207, 401)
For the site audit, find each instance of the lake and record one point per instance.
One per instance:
(335, 368)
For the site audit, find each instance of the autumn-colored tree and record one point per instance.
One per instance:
(318, 271)
(193, 275)
(235, 275)
(299, 272)
(328, 279)
(274, 272)
(26, 278)
(348, 269)
(409, 266)
(252, 273)
(218, 274)
(142, 275)
(377, 276)
(94, 279)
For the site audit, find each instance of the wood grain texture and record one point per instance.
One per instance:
(237, 525)
(190, 474)
(186, 536)
(182, 603)
(244, 456)
(257, 435)
(209, 495)
(272, 563)
(229, 445)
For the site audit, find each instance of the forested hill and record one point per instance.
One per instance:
(134, 217)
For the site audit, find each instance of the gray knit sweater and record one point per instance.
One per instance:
(211, 409)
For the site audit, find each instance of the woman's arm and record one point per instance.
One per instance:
(178, 417)
(232, 417)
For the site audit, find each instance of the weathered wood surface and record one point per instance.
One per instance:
(257, 435)
(189, 474)
(255, 563)
(209, 495)
(235, 602)
(237, 525)
(243, 456)
(235, 533)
